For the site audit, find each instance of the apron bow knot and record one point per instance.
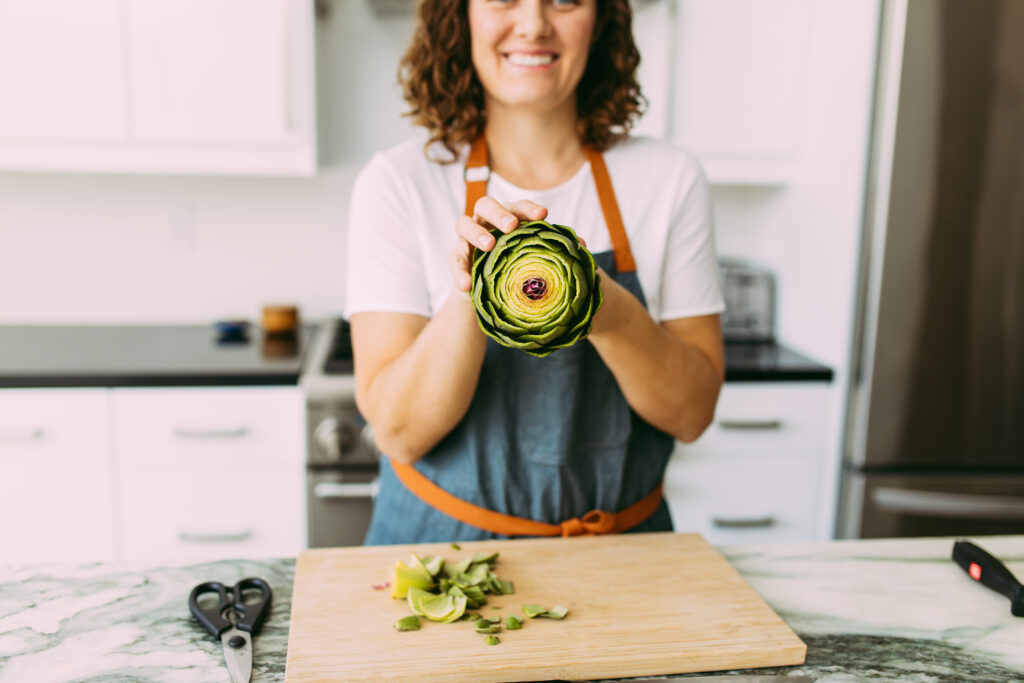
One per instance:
(594, 522)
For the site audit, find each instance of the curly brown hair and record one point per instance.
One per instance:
(445, 96)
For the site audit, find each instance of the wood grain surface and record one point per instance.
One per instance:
(639, 604)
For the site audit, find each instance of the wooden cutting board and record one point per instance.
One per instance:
(639, 604)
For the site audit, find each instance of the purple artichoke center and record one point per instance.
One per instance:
(534, 288)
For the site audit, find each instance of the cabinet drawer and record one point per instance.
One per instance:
(210, 425)
(744, 500)
(170, 513)
(775, 418)
(48, 425)
(55, 483)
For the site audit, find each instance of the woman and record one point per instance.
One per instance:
(527, 103)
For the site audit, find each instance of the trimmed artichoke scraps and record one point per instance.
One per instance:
(442, 591)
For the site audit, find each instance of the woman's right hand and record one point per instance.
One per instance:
(475, 232)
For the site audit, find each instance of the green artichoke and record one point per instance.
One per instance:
(537, 289)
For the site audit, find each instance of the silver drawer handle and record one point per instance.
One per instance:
(187, 433)
(215, 536)
(27, 436)
(939, 504)
(766, 425)
(744, 522)
(327, 490)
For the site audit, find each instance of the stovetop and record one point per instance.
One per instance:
(339, 353)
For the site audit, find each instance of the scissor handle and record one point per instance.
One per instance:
(212, 618)
(251, 616)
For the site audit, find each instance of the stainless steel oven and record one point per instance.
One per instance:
(341, 464)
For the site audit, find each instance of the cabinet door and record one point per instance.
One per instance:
(741, 67)
(744, 499)
(783, 418)
(55, 476)
(214, 512)
(217, 71)
(192, 427)
(61, 71)
(756, 473)
(209, 473)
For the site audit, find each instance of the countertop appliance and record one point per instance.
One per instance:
(935, 435)
(749, 292)
(341, 467)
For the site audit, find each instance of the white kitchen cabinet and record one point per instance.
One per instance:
(208, 473)
(756, 473)
(212, 512)
(56, 498)
(743, 499)
(61, 74)
(741, 68)
(170, 86)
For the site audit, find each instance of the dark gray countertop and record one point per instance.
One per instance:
(879, 610)
(189, 355)
(145, 355)
(770, 362)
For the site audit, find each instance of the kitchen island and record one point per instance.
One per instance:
(884, 610)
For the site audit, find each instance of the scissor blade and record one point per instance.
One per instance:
(239, 659)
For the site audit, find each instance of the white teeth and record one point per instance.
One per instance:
(530, 60)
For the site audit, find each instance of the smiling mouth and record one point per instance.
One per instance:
(520, 59)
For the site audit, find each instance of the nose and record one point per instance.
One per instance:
(531, 20)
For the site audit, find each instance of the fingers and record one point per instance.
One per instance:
(474, 233)
(524, 209)
(489, 213)
(459, 262)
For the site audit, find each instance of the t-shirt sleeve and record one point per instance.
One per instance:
(690, 280)
(385, 270)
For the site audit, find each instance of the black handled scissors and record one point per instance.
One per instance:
(232, 621)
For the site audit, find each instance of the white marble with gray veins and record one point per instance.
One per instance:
(889, 610)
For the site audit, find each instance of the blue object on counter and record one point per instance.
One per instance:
(232, 331)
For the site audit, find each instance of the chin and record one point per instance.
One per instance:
(532, 101)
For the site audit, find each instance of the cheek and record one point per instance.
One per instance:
(579, 34)
(482, 39)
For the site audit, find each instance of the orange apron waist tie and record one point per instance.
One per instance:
(593, 523)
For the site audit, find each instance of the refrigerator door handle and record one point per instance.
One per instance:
(940, 504)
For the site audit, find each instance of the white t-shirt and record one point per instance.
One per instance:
(404, 208)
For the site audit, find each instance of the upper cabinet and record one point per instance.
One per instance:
(740, 86)
(61, 73)
(158, 86)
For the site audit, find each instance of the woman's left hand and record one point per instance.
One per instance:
(475, 232)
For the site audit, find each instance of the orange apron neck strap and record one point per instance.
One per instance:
(476, 173)
(624, 262)
(594, 522)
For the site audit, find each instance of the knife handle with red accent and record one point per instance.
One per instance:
(986, 569)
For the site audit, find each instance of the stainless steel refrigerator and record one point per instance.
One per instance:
(935, 432)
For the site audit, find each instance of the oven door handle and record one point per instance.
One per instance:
(334, 490)
(940, 504)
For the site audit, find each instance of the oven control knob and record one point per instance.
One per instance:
(367, 442)
(330, 439)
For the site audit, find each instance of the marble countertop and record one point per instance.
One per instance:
(878, 610)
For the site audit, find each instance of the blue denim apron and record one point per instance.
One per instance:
(547, 439)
